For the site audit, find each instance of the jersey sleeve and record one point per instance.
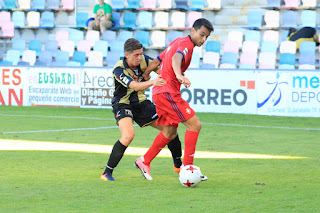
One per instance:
(184, 48)
(161, 56)
(121, 77)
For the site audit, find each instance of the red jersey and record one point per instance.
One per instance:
(182, 45)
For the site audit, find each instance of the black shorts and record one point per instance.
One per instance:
(142, 113)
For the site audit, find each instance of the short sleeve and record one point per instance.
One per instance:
(121, 77)
(95, 9)
(184, 48)
(108, 9)
(161, 56)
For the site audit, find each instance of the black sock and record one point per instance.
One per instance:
(175, 148)
(115, 156)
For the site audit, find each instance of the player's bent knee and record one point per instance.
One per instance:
(127, 139)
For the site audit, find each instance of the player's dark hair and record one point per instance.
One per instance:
(202, 22)
(131, 45)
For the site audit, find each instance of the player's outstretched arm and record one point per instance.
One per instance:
(176, 65)
(138, 86)
(152, 66)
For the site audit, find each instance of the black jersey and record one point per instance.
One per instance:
(122, 77)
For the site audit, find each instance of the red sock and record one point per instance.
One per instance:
(158, 144)
(190, 141)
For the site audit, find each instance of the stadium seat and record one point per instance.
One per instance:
(109, 36)
(252, 35)
(80, 57)
(101, 46)
(117, 4)
(143, 37)
(193, 16)
(29, 56)
(309, 3)
(247, 66)
(166, 4)
(24, 4)
(116, 46)
(23, 64)
(307, 47)
(213, 46)
(195, 60)
(13, 56)
(8, 30)
(289, 19)
(47, 19)
(67, 4)
(53, 4)
(6, 63)
(46, 57)
(73, 64)
(133, 4)
(145, 20)
(211, 58)
(215, 4)
(230, 58)
(307, 58)
(150, 4)
(197, 4)
(92, 36)
(272, 18)
(250, 47)
(62, 57)
(255, 19)
(81, 19)
(113, 58)
(38, 4)
(84, 46)
(41, 64)
(5, 17)
(205, 66)
(76, 35)
(67, 46)
(287, 58)
(28, 35)
(286, 67)
(35, 45)
(291, 3)
(33, 19)
(271, 35)
(129, 20)
(231, 46)
(125, 35)
(161, 19)
(227, 66)
(19, 19)
(274, 3)
(288, 47)
(269, 46)
(308, 18)
(51, 46)
(284, 35)
(249, 58)
(267, 60)
(178, 19)
(96, 58)
(236, 36)
(116, 20)
(9, 4)
(306, 67)
(173, 35)
(158, 38)
(181, 4)
(19, 44)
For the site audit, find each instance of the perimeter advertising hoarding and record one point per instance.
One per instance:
(288, 93)
(96, 88)
(12, 86)
(53, 87)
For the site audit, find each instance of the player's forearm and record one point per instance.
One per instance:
(152, 66)
(138, 86)
(176, 64)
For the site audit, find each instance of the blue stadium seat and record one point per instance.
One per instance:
(53, 4)
(287, 58)
(286, 67)
(41, 64)
(230, 58)
(197, 4)
(213, 46)
(252, 35)
(19, 19)
(255, 19)
(35, 45)
(6, 63)
(13, 56)
(51, 46)
(207, 66)
(113, 58)
(62, 57)
(133, 4)
(73, 64)
(47, 19)
(289, 19)
(117, 4)
(181, 4)
(174, 34)
(269, 46)
(274, 3)
(284, 35)
(109, 36)
(81, 19)
(117, 46)
(143, 37)
(129, 19)
(116, 19)
(307, 58)
(9, 4)
(246, 66)
(144, 20)
(79, 56)
(101, 46)
(23, 64)
(308, 18)
(76, 35)
(19, 44)
(125, 35)
(38, 4)
(307, 47)
(45, 57)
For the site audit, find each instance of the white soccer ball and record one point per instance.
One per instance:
(190, 176)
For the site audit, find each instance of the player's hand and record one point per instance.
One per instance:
(97, 23)
(184, 80)
(146, 77)
(159, 81)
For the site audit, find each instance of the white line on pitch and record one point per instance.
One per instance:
(48, 116)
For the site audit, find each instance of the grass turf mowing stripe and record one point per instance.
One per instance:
(73, 147)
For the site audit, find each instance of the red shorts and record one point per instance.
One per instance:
(172, 109)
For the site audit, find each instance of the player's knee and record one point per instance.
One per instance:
(127, 139)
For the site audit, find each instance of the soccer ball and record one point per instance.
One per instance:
(190, 176)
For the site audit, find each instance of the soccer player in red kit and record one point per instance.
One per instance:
(171, 108)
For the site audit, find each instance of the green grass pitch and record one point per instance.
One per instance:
(58, 181)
